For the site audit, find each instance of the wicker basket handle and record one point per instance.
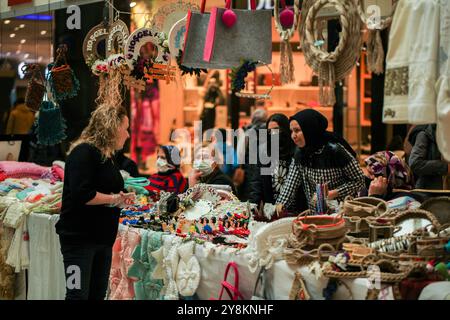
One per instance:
(323, 246)
(417, 213)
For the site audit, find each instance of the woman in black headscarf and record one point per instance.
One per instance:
(265, 188)
(321, 158)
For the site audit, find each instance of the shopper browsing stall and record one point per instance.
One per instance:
(265, 188)
(92, 197)
(386, 172)
(426, 160)
(321, 158)
(206, 169)
(168, 178)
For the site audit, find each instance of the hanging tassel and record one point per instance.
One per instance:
(286, 63)
(375, 52)
(51, 124)
(327, 80)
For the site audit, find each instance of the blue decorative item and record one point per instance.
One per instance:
(447, 247)
(51, 124)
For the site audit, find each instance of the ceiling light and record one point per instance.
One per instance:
(43, 32)
(18, 52)
(40, 58)
(16, 29)
(8, 54)
(23, 41)
(12, 35)
(22, 26)
(26, 55)
(132, 4)
(7, 21)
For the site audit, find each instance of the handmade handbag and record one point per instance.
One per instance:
(223, 38)
(310, 232)
(63, 82)
(232, 290)
(356, 210)
(35, 88)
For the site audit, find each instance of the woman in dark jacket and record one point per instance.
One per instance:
(426, 160)
(265, 188)
(321, 158)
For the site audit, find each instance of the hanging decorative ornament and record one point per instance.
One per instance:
(167, 15)
(176, 37)
(133, 83)
(61, 78)
(36, 86)
(117, 37)
(375, 24)
(238, 83)
(143, 36)
(51, 124)
(229, 17)
(330, 66)
(286, 23)
(91, 42)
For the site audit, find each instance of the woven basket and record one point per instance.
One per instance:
(312, 231)
(440, 207)
(355, 210)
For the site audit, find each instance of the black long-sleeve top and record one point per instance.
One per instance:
(85, 174)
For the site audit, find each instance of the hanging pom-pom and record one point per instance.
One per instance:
(287, 18)
(229, 18)
(51, 124)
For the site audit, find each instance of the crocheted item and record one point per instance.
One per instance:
(188, 271)
(268, 243)
(61, 78)
(36, 86)
(13, 169)
(122, 287)
(51, 124)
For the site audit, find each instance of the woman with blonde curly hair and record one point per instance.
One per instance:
(92, 198)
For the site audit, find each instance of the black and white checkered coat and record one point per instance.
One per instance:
(332, 164)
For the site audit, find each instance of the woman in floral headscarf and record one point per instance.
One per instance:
(387, 172)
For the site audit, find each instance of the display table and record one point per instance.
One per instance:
(46, 272)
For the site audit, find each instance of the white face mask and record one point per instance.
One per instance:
(205, 166)
(163, 166)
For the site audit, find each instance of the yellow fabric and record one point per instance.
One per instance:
(20, 120)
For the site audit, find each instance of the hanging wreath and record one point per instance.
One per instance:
(36, 86)
(61, 78)
(331, 66)
(286, 23)
(374, 25)
(91, 42)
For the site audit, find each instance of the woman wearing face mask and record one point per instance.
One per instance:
(265, 188)
(91, 202)
(321, 158)
(206, 170)
(168, 178)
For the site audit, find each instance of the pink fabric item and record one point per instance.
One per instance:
(122, 287)
(210, 35)
(58, 172)
(14, 169)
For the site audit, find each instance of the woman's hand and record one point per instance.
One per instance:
(378, 186)
(121, 200)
